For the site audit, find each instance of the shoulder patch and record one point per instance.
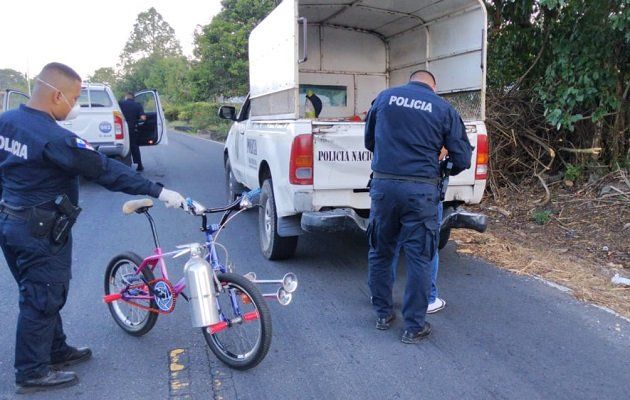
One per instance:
(83, 144)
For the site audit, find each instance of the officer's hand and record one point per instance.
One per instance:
(443, 153)
(172, 198)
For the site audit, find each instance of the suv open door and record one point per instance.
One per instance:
(11, 99)
(153, 130)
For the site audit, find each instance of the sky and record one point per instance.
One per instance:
(87, 34)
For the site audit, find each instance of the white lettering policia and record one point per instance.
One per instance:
(14, 147)
(411, 103)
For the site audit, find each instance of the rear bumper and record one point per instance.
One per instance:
(337, 220)
(342, 219)
(110, 149)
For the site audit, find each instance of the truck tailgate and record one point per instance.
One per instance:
(93, 125)
(341, 160)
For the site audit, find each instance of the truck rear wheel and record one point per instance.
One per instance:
(273, 247)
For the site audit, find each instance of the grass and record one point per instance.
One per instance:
(542, 217)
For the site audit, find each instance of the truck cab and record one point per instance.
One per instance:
(314, 171)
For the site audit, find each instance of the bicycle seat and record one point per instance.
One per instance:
(138, 206)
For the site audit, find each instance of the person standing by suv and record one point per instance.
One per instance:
(40, 162)
(133, 113)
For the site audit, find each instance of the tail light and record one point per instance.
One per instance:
(119, 126)
(301, 163)
(481, 171)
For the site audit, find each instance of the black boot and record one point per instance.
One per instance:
(412, 338)
(383, 323)
(73, 356)
(53, 380)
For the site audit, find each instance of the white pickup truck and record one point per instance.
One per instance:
(314, 172)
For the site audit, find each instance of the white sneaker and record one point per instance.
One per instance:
(437, 305)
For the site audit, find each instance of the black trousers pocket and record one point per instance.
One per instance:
(47, 298)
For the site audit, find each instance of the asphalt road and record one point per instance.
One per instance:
(501, 336)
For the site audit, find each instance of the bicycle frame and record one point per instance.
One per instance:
(134, 291)
(158, 258)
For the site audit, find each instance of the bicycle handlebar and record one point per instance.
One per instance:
(243, 202)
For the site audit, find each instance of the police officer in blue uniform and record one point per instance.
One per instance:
(133, 113)
(39, 167)
(406, 128)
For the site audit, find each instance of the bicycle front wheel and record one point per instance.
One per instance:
(245, 339)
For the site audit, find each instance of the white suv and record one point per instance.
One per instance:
(101, 122)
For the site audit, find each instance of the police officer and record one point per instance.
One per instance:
(133, 113)
(39, 163)
(406, 128)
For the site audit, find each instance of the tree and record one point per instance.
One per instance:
(104, 75)
(221, 48)
(572, 56)
(151, 36)
(168, 75)
(12, 79)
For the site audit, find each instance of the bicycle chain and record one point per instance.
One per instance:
(151, 285)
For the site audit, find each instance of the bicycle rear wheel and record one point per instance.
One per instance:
(121, 272)
(245, 341)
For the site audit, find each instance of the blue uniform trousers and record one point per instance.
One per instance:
(404, 212)
(39, 334)
(435, 263)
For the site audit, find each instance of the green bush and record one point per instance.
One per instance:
(171, 112)
(573, 172)
(204, 116)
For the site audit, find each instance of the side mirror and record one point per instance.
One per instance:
(227, 112)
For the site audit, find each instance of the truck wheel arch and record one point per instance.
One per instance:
(264, 173)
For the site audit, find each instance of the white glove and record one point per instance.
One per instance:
(172, 198)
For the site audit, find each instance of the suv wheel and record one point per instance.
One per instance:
(273, 247)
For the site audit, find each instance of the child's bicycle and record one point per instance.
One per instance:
(229, 308)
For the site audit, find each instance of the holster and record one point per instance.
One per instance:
(67, 215)
(445, 172)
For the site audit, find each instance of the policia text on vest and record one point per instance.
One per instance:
(14, 147)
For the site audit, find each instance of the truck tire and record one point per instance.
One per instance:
(273, 247)
(233, 189)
